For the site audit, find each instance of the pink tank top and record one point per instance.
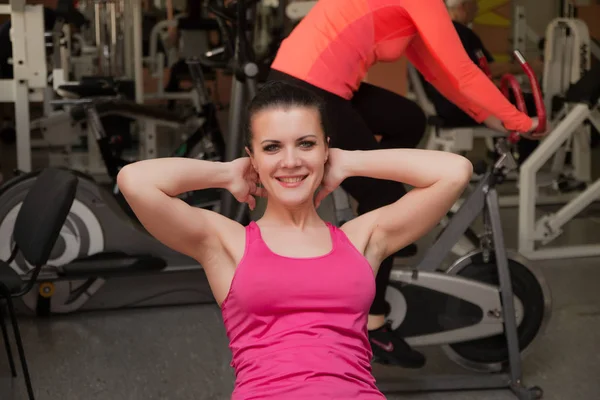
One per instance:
(297, 327)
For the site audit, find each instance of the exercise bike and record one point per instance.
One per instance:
(100, 242)
(489, 305)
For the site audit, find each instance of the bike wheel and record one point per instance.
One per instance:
(491, 353)
(80, 236)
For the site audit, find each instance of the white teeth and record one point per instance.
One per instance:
(290, 180)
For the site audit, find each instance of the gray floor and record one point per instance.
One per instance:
(181, 352)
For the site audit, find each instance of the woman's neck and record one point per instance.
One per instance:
(302, 216)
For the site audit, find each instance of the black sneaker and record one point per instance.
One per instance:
(389, 348)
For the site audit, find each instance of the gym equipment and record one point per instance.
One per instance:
(485, 308)
(488, 306)
(562, 180)
(568, 50)
(582, 100)
(451, 139)
(109, 29)
(35, 233)
(567, 57)
(30, 81)
(101, 245)
(243, 86)
(29, 70)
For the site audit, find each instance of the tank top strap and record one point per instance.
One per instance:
(336, 235)
(252, 234)
(343, 240)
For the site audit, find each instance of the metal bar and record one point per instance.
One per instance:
(575, 206)
(137, 50)
(519, 29)
(20, 84)
(506, 291)
(7, 92)
(128, 40)
(234, 139)
(464, 217)
(114, 70)
(564, 252)
(98, 32)
(529, 169)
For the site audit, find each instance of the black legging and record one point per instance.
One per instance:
(352, 125)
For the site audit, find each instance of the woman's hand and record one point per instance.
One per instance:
(532, 134)
(495, 124)
(244, 182)
(335, 173)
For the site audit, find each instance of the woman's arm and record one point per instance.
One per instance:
(151, 186)
(439, 55)
(438, 179)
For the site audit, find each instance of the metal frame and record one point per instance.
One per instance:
(520, 27)
(548, 227)
(30, 75)
(483, 199)
(244, 87)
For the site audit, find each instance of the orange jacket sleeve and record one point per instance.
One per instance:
(437, 52)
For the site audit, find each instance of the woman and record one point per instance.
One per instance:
(330, 52)
(294, 290)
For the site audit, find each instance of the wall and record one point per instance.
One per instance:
(494, 23)
(590, 14)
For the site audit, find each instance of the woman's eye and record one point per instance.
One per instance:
(307, 144)
(270, 147)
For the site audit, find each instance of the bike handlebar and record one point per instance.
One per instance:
(509, 82)
(483, 64)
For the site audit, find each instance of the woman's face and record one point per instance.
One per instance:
(289, 153)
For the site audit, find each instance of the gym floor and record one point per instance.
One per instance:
(181, 352)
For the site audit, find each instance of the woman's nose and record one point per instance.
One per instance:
(291, 158)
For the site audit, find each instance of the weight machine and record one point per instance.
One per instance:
(568, 82)
(116, 34)
(102, 245)
(566, 58)
(582, 100)
(29, 74)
